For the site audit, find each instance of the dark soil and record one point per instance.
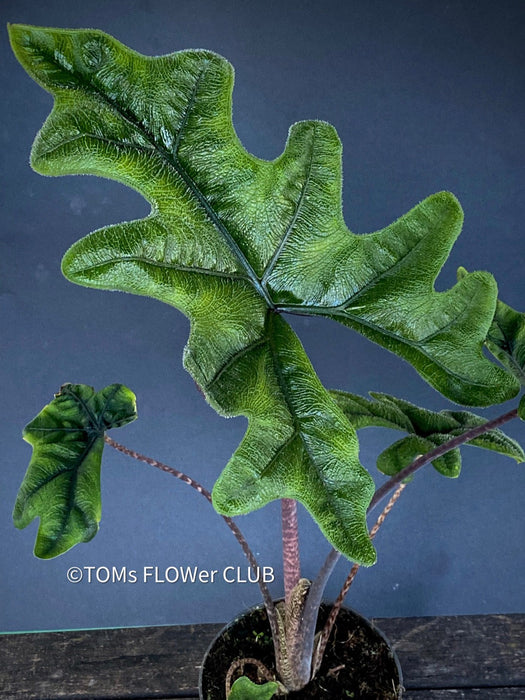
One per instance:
(357, 664)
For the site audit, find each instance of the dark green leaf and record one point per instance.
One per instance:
(62, 482)
(403, 452)
(506, 336)
(233, 241)
(364, 413)
(427, 430)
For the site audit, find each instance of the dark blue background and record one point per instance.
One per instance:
(425, 96)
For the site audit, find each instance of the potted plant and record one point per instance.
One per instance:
(237, 243)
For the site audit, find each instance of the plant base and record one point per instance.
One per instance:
(359, 662)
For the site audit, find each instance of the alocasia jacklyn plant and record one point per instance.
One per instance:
(236, 243)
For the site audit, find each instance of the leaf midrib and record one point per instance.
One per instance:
(275, 257)
(73, 469)
(417, 345)
(170, 266)
(92, 437)
(330, 491)
(174, 163)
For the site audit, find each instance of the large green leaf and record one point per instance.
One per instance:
(426, 430)
(233, 241)
(506, 336)
(62, 482)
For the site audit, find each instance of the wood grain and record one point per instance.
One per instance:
(147, 662)
(467, 694)
(442, 658)
(464, 651)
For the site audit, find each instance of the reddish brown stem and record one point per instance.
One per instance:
(398, 478)
(329, 625)
(437, 452)
(419, 462)
(290, 535)
(268, 602)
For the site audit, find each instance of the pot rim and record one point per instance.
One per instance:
(260, 606)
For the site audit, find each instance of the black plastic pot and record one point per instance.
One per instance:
(359, 662)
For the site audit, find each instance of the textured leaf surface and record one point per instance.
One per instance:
(244, 689)
(506, 336)
(427, 430)
(233, 241)
(62, 482)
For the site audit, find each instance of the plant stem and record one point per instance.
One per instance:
(267, 598)
(262, 671)
(290, 535)
(329, 625)
(437, 452)
(419, 462)
(305, 644)
(291, 561)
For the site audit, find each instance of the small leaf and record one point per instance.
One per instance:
(506, 336)
(62, 482)
(403, 452)
(244, 689)
(427, 430)
(364, 413)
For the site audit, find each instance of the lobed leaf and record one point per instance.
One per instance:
(506, 336)
(234, 241)
(62, 482)
(403, 452)
(427, 430)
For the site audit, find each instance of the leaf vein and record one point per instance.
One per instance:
(171, 266)
(416, 344)
(270, 266)
(398, 262)
(233, 358)
(174, 163)
(80, 401)
(296, 433)
(189, 106)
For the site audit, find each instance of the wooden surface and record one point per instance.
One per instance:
(443, 658)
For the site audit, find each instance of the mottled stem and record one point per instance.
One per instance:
(267, 598)
(398, 478)
(420, 461)
(329, 625)
(290, 536)
(262, 671)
